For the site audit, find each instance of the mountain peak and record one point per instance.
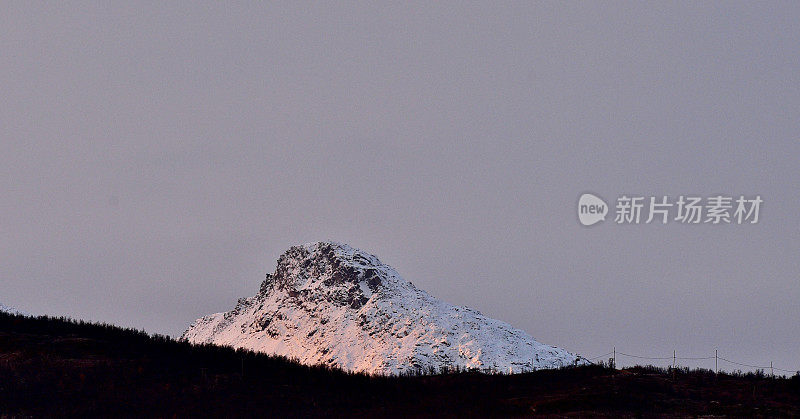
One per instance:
(348, 276)
(329, 303)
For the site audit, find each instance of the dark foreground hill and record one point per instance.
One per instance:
(57, 367)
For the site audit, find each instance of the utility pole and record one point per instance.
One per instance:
(615, 357)
(673, 358)
(771, 371)
(716, 364)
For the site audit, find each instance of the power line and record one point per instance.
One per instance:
(599, 356)
(744, 365)
(644, 357)
(696, 358)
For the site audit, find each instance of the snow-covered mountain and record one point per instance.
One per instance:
(328, 303)
(11, 310)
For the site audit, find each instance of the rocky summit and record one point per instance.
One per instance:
(328, 303)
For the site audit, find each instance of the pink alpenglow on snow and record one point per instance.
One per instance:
(328, 303)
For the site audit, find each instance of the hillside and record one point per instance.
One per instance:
(332, 304)
(59, 367)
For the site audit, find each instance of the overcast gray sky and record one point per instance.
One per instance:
(157, 157)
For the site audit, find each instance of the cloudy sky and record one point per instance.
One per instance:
(157, 158)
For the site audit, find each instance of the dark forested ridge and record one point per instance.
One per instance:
(60, 367)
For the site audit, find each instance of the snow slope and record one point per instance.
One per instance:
(328, 303)
(11, 310)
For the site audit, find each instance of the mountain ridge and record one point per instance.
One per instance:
(329, 303)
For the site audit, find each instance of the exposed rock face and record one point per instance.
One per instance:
(328, 303)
